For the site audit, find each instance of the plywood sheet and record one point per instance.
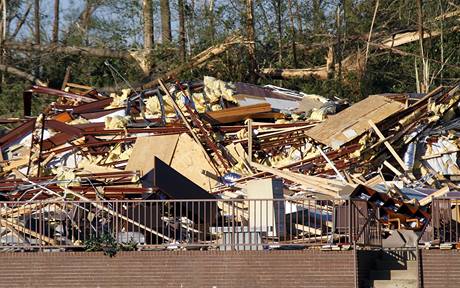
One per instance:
(350, 123)
(147, 148)
(189, 160)
(180, 152)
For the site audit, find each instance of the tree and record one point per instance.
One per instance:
(251, 38)
(166, 36)
(182, 37)
(293, 34)
(148, 24)
(37, 17)
(304, 43)
(55, 37)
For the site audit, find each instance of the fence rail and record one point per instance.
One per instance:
(444, 226)
(236, 224)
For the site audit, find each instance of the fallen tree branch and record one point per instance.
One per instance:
(351, 63)
(197, 60)
(139, 56)
(71, 50)
(22, 74)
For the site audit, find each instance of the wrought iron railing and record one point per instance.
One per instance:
(225, 224)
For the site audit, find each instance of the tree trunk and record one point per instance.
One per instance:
(280, 30)
(191, 20)
(148, 24)
(338, 24)
(425, 83)
(22, 74)
(319, 73)
(37, 34)
(71, 50)
(55, 37)
(182, 40)
(83, 21)
(299, 17)
(210, 16)
(37, 22)
(355, 61)
(165, 21)
(293, 32)
(251, 39)
(317, 15)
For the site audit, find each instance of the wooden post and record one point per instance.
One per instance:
(389, 147)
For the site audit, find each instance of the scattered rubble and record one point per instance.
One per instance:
(216, 140)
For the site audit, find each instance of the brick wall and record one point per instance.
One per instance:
(441, 268)
(306, 268)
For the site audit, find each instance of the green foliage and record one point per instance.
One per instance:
(117, 24)
(107, 244)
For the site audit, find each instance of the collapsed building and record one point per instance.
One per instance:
(217, 165)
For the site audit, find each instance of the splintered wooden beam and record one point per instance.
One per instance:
(427, 200)
(308, 182)
(249, 121)
(185, 121)
(116, 214)
(24, 230)
(388, 145)
(236, 114)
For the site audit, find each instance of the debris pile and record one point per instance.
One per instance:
(217, 140)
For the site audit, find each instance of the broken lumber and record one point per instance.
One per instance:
(428, 199)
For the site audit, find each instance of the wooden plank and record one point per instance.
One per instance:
(239, 154)
(388, 145)
(427, 200)
(249, 121)
(116, 214)
(22, 229)
(350, 123)
(426, 157)
(237, 114)
(308, 229)
(294, 177)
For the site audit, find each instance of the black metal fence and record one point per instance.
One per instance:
(225, 224)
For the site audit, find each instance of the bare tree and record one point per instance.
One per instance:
(279, 25)
(182, 39)
(317, 15)
(21, 22)
(293, 33)
(55, 37)
(37, 34)
(37, 22)
(299, 17)
(147, 9)
(84, 19)
(251, 38)
(210, 16)
(165, 21)
(425, 73)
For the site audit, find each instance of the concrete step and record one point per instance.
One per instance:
(393, 274)
(404, 255)
(401, 283)
(395, 265)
